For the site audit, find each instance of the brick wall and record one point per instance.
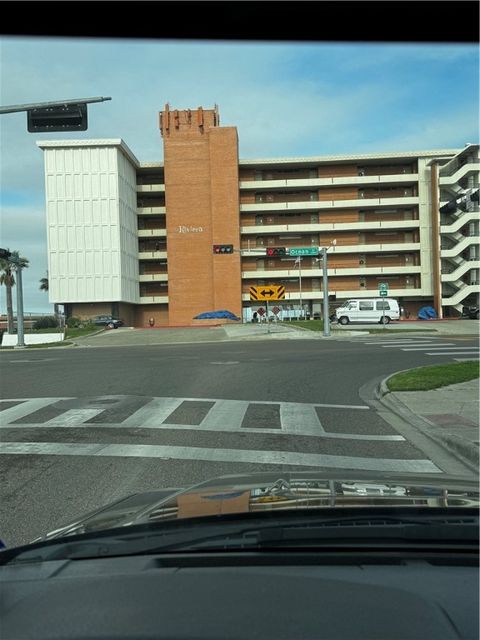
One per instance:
(202, 204)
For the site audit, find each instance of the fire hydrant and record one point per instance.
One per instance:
(151, 321)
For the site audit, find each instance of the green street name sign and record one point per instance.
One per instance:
(303, 251)
(383, 289)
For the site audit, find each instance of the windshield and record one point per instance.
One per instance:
(222, 259)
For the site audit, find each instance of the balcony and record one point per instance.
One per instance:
(293, 296)
(312, 272)
(317, 227)
(151, 211)
(153, 299)
(256, 185)
(152, 255)
(354, 247)
(360, 203)
(153, 277)
(152, 233)
(151, 188)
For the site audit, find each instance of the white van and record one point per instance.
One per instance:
(381, 310)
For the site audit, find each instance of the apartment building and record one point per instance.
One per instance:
(137, 239)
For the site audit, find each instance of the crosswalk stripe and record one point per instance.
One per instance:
(440, 347)
(226, 415)
(418, 346)
(27, 407)
(153, 413)
(300, 420)
(395, 342)
(217, 455)
(73, 417)
(449, 353)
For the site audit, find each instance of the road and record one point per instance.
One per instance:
(81, 427)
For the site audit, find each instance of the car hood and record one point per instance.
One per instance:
(241, 494)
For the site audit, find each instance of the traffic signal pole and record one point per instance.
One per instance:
(20, 332)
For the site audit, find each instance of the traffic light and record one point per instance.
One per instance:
(273, 252)
(5, 254)
(223, 248)
(67, 117)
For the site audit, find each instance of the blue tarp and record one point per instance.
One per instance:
(208, 315)
(427, 313)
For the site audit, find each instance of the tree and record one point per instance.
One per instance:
(8, 279)
(44, 287)
(44, 284)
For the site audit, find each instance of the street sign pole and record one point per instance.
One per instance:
(20, 333)
(383, 291)
(268, 321)
(326, 318)
(300, 282)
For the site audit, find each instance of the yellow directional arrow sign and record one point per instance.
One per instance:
(268, 292)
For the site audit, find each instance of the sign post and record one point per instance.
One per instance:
(383, 291)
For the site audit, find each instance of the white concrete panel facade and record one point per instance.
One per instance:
(91, 222)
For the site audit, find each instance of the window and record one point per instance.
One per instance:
(366, 305)
(383, 304)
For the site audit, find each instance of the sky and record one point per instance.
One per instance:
(286, 100)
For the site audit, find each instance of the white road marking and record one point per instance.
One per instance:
(153, 413)
(250, 456)
(225, 415)
(465, 359)
(419, 346)
(300, 419)
(446, 347)
(73, 417)
(395, 342)
(27, 406)
(449, 353)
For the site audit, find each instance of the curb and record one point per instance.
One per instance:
(466, 450)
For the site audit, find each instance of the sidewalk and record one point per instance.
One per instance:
(448, 415)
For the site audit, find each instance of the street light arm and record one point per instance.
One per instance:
(15, 108)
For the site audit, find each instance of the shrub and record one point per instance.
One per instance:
(45, 322)
(74, 322)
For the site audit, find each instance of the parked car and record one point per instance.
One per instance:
(381, 310)
(108, 321)
(470, 312)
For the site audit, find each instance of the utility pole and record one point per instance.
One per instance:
(20, 332)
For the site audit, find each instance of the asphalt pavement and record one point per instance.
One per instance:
(127, 410)
(449, 416)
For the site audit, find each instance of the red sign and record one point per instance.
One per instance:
(261, 311)
(276, 310)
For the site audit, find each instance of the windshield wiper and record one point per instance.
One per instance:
(301, 533)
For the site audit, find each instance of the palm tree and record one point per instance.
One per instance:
(44, 287)
(7, 278)
(44, 283)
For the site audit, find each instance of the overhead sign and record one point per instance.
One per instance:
(303, 251)
(268, 292)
